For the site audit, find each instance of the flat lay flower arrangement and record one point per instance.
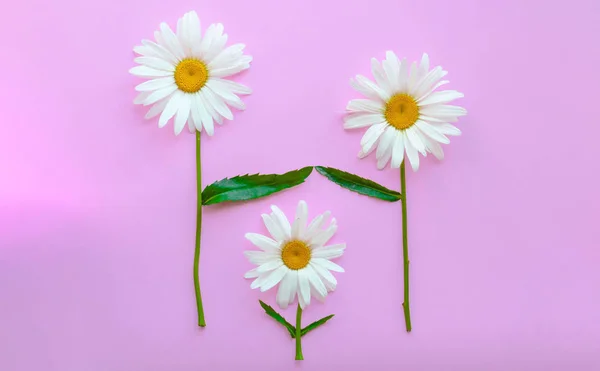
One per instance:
(187, 82)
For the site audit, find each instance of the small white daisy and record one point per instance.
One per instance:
(403, 111)
(295, 257)
(186, 74)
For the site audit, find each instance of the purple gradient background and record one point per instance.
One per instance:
(97, 207)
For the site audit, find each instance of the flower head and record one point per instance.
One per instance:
(186, 74)
(295, 256)
(403, 110)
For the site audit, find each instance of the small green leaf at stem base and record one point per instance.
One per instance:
(249, 187)
(359, 185)
(277, 317)
(316, 324)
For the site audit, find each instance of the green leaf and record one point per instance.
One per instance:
(248, 187)
(277, 317)
(359, 185)
(316, 324)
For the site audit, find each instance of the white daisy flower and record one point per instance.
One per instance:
(403, 111)
(295, 257)
(186, 72)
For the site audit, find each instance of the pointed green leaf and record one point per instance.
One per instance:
(316, 324)
(248, 187)
(359, 185)
(277, 317)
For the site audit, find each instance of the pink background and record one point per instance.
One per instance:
(97, 206)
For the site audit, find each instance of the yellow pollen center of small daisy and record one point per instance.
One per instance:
(295, 254)
(191, 75)
(401, 111)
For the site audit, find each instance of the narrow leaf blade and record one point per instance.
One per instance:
(277, 317)
(249, 187)
(316, 324)
(359, 185)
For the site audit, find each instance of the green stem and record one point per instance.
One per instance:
(201, 321)
(299, 356)
(406, 303)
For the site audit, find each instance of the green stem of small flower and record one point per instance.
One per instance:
(201, 321)
(299, 356)
(406, 303)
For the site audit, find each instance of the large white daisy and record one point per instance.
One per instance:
(403, 110)
(186, 72)
(295, 256)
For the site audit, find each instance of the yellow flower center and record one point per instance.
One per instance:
(191, 75)
(401, 111)
(295, 254)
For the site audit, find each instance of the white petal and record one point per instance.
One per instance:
(284, 290)
(270, 265)
(315, 282)
(210, 110)
(328, 279)
(227, 57)
(380, 76)
(434, 147)
(403, 75)
(283, 222)
(329, 252)
(300, 221)
(423, 67)
(170, 109)
(218, 42)
(156, 84)
(447, 129)
(427, 94)
(194, 32)
(171, 41)
(275, 278)
(391, 66)
(293, 285)
(253, 273)
(157, 108)
(428, 82)
(431, 132)
(443, 111)
(415, 139)
(182, 113)
(413, 77)
(141, 97)
(371, 136)
(224, 93)
(261, 257)
(385, 141)
(207, 121)
(363, 154)
(304, 287)
(190, 124)
(327, 264)
(273, 228)
(398, 150)
(144, 71)
(361, 120)
(439, 97)
(315, 224)
(159, 51)
(263, 242)
(217, 103)
(364, 105)
(375, 91)
(160, 94)
(243, 63)
(411, 153)
(321, 238)
(232, 86)
(156, 63)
